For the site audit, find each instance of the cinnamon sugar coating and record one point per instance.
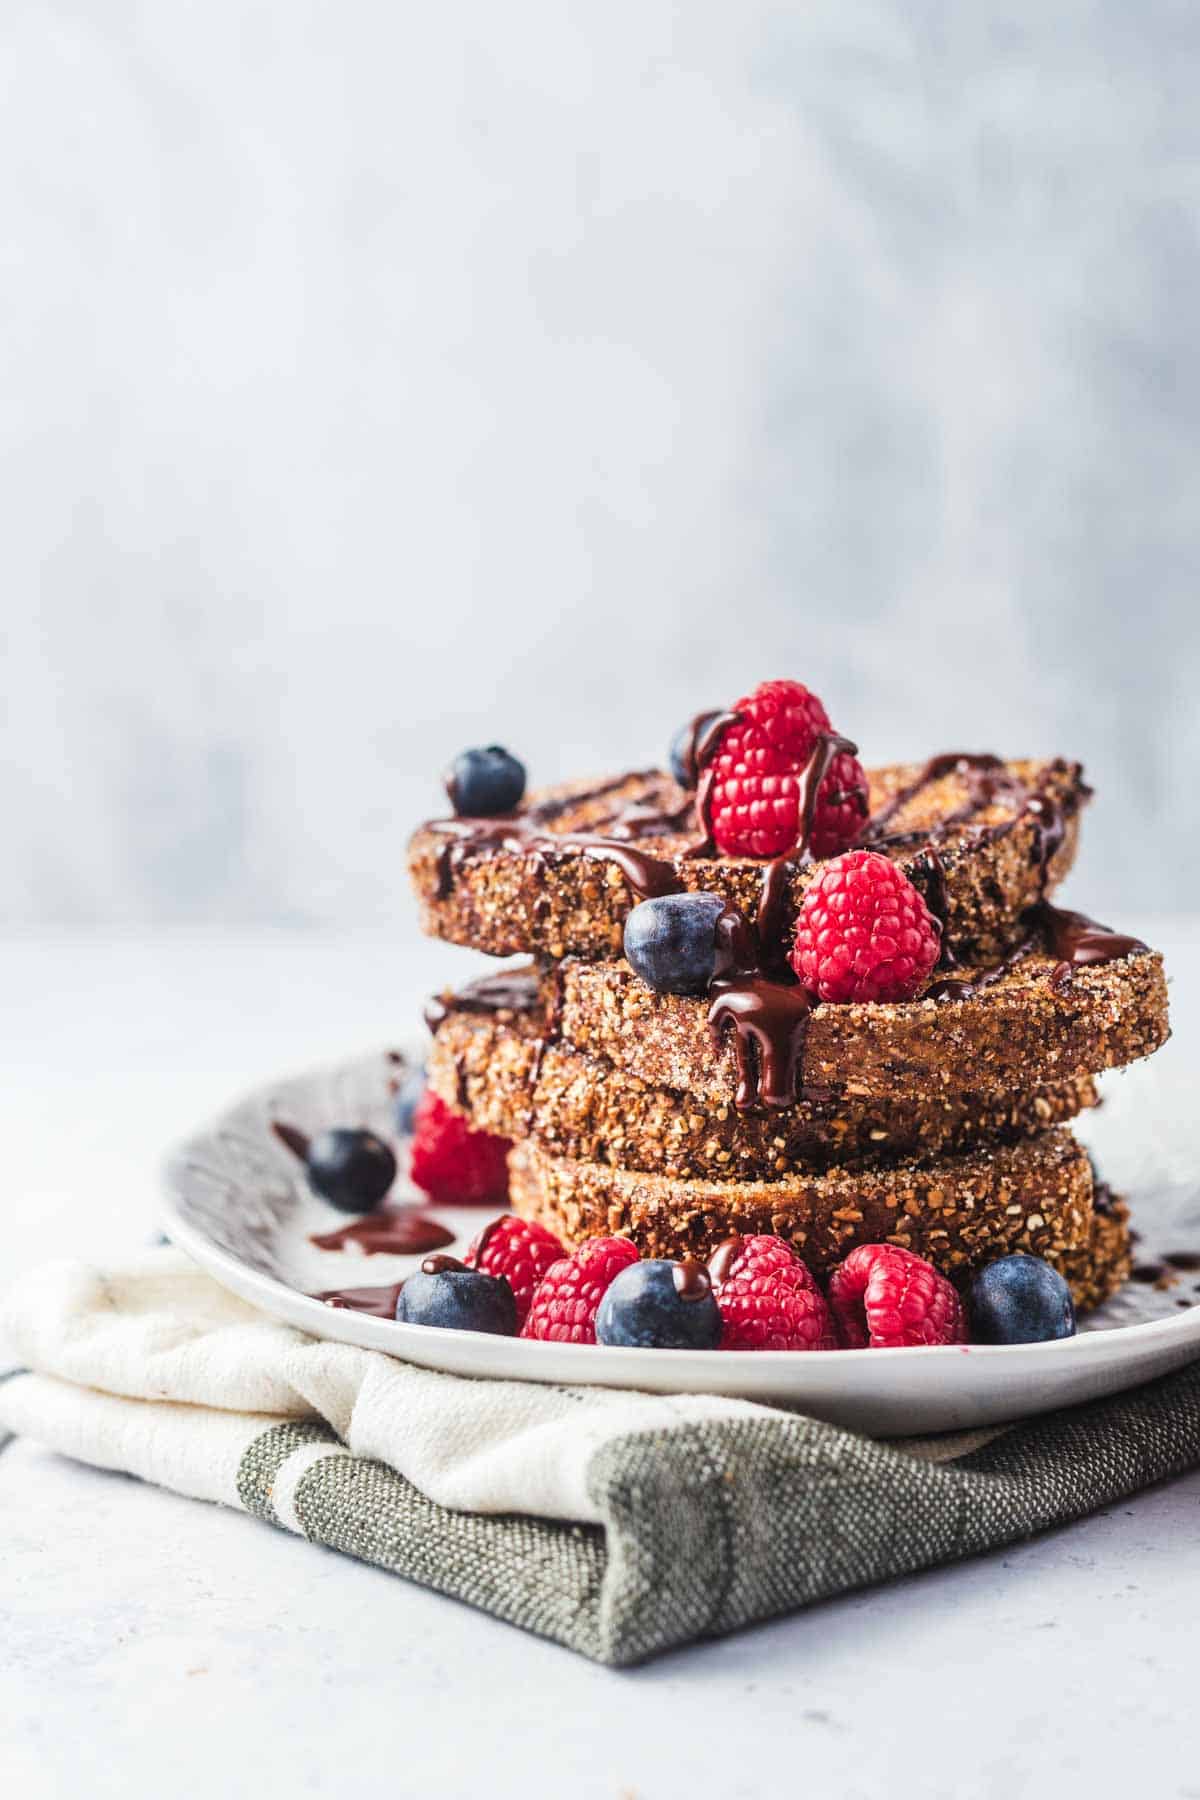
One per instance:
(508, 1079)
(960, 1212)
(1098, 1268)
(1018, 1035)
(505, 896)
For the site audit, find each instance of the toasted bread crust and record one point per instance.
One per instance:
(1095, 1265)
(1099, 1267)
(508, 1079)
(505, 896)
(960, 1212)
(1020, 1034)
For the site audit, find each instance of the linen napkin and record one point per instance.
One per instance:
(618, 1524)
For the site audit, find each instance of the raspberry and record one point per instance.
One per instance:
(755, 793)
(864, 932)
(884, 1297)
(520, 1250)
(451, 1162)
(768, 1300)
(568, 1296)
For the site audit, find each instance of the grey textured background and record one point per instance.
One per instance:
(380, 378)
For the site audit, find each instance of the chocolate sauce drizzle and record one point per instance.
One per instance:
(643, 819)
(828, 745)
(929, 872)
(697, 735)
(1075, 941)
(700, 740)
(291, 1139)
(528, 832)
(988, 779)
(984, 774)
(771, 1016)
(389, 1231)
(508, 991)
(443, 1265)
(965, 987)
(772, 917)
(769, 1019)
(721, 1262)
(649, 877)
(376, 1302)
(989, 782)
(753, 992)
(485, 1237)
(1078, 942)
(698, 758)
(692, 1280)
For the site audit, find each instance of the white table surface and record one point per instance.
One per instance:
(151, 1645)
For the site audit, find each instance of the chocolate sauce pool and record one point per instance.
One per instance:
(388, 1231)
(376, 1302)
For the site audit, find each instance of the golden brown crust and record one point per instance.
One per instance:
(960, 1212)
(1019, 1034)
(1097, 1269)
(506, 897)
(509, 1080)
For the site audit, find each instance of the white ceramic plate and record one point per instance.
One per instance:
(238, 1204)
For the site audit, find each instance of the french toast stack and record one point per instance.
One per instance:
(681, 1119)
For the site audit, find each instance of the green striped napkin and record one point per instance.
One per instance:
(617, 1524)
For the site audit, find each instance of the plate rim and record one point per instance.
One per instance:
(1105, 1343)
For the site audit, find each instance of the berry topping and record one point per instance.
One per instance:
(451, 1162)
(671, 942)
(864, 932)
(567, 1297)
(444, 1293)
(757, 792)
(660, 1306)
(353, 1170)
(883, 1298)
(408, 1097)
(482, 783)
(767, 1298)
(683, 748)
(1021, 1300)
(520, 1250)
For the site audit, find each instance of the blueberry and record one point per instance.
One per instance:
(1021, 1300)
(660, 1306)
(482, 783)
(683, 743)
(445, 1293)
(353, 1170)
(671, 941)
(408, 1098)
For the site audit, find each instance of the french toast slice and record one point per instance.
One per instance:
(960, 1212)
(1031, 1027)
(1102, 1265)
(509, 1077)
(558, 877)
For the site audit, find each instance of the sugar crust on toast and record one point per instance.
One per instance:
(507, 887)
(960, 1212)
(509, 1079)
(1022, 1032)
